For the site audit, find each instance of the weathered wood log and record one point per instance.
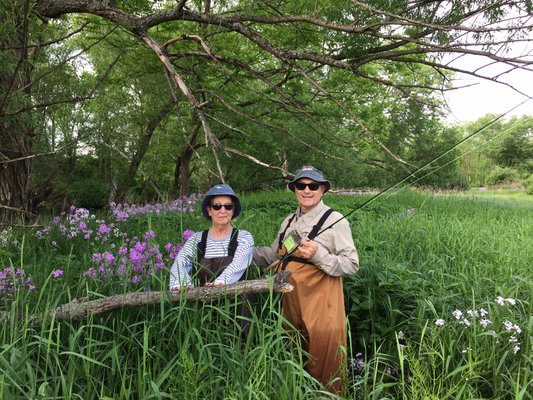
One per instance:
(80, 309)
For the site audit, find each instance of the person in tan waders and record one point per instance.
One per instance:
(317, 264)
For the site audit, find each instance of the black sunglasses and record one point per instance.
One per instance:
(217, 206)
(311, 186)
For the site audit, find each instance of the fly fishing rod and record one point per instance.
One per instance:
(412, 174)
(401, 181)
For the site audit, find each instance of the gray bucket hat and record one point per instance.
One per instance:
(309, 172)
(221, 189)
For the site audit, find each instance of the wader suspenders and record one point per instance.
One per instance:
(311, 236)
(201, 245)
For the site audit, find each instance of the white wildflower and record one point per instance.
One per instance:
(485, 322)
(440, 322)
(458, 314)
(500, 300)
(472, 313)
(508, 325)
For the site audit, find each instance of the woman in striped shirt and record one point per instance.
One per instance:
(217, 256)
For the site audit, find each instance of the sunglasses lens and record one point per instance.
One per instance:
(311, 186)
(217, 206)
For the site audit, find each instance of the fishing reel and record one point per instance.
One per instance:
(292, 241)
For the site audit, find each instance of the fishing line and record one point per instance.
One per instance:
(459, 157)
(412, 174)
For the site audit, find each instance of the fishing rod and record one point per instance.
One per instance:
(412, 174)
(398, 183)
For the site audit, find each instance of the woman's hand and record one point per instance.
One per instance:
(214, 284)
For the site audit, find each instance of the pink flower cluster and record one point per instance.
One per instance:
(135, 261)
(78, 222)
(122, 212)
(11, 280)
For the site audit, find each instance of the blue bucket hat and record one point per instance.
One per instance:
(221, 189)
(309, 172)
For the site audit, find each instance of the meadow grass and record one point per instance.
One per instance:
(440, 309)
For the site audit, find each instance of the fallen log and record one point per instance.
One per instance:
(81, 309)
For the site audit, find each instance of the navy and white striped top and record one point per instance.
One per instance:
(181, 268)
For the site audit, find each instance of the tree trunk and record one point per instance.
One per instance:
(15, 176)
(16, 131)
(182, 172)
(142, 148)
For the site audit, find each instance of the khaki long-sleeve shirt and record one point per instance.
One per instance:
(336, 254)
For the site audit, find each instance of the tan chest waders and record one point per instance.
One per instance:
(315, 308)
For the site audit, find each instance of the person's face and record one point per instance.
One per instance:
(222, 216)
(307, 198)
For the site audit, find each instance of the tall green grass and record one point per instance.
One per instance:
(425, 259)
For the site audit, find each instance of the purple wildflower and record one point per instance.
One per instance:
(11, 280)
(187, 234)
(149, 235)
(56, 273)
(103, 229)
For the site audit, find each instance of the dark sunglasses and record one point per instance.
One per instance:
(311, 186)
(217, 206)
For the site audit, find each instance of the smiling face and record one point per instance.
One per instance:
(222, 216)
(307, 198)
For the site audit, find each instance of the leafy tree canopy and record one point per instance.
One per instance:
(186, 93)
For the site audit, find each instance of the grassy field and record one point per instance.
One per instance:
(442, 307)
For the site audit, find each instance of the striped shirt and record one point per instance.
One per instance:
(180, 272)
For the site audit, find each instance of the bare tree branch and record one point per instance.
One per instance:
(18, 210)
(163, 57)
(48, 153)
(51, 42)
(285, 132)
